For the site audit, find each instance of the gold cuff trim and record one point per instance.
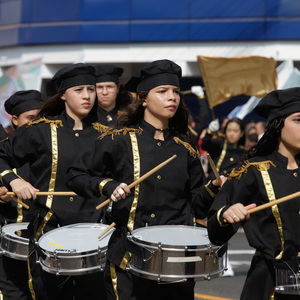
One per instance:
(102, 184)
(1, 201)
(5, 173)
(218, 217)
(209, 190)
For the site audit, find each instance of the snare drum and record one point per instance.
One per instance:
(287, 281)
(74, 249)
(178, 253)
(14, 240)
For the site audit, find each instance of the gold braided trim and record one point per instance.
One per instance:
(261, 166)
(45, 120)
(124, 130)
(114, 279)
(100, 127)
(122, 112)
(222, 156)
(30, 284)
(193, 153)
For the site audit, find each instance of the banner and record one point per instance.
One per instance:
(31, 73)
(288, 76)
(243, 75)
(10, 83)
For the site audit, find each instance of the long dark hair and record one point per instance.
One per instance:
(238, 121)
(124, 98)
(269, 141)
(54, 106)
(135, 113)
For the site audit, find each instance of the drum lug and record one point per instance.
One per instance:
(56, 262)
(100, 254)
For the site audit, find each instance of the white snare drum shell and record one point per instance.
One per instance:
(74, 249)
(13, 245)
(179, 252)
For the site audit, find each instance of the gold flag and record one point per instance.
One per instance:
(242, 75)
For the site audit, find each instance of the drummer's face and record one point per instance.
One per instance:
(79, 100)
(162, 102)
(290, 135)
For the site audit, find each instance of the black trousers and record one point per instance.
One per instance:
(14, 279)
(122, 285)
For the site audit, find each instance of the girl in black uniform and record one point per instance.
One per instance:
(225, 150)
(154, 129)
(270, 171)
(49, 145)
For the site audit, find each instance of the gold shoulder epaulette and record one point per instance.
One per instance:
(193, 152)
(124, 130)
(100, 127)
(260, 165)
(45, 120)
(122, 112)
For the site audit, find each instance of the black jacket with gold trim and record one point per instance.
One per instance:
(173, 195)
(109, 118)
(49, 146)
(272, 231)
(224, 154)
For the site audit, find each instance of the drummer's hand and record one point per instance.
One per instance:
(215, 182)
(3, 196)
(237, 212)
(120, 192)
(23, 189)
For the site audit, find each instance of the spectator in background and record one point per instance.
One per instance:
(226, 151)
(251, 137)
(261, 128)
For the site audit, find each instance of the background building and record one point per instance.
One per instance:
(131, 33)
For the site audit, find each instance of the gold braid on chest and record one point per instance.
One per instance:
(260, 166)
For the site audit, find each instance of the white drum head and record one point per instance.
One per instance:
(173, 235)
(82, 237)
(16, 230)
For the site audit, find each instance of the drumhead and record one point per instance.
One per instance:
(81, 237)
(173, 235)
(16, 231)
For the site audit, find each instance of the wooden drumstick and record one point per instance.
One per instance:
(140, 179)
(107, 229)
(213, 166)
(275, 202)
(49, 193)
(20, 202)
(269, 204)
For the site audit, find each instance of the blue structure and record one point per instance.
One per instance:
(38, 22)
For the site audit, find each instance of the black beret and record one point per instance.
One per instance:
(279, 103)
(108, 73)
(159, 72)
(23, 101)
(74, 75)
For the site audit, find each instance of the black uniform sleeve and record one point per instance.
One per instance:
(15, 151)
(243, 190)
(91, 175)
